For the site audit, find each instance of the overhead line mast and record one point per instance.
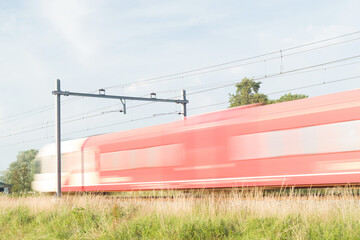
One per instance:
(101, 94)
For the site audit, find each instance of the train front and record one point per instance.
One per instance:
(46, 180)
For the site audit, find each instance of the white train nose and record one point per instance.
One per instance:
(45, 182)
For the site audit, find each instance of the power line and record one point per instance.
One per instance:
(233, 82)
(290, 74)
(36, 110)
(260, 61)
(32, 112)
(316, 84)
(113, 124)
(234, 66)
(320, 41)
(152, 80)
(280, 74)
(284, 91)
(64, 122)
(28, 141)
(49, 107)
(190, 109)
(65, 134)
(215, 87)
(66, 101)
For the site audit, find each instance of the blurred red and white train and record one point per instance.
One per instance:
(313, 141)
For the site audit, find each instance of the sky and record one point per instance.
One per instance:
(122, 46)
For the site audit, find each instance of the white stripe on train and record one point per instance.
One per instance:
(223, 179)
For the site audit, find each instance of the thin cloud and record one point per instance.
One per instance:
(68, 19)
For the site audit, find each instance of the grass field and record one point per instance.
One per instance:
(255, 214)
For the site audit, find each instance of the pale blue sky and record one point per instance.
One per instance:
(96, 44)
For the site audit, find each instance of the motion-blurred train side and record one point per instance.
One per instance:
(313, 141)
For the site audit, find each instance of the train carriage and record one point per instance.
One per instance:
(313, 141)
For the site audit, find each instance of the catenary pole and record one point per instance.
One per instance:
(58, 139)
(184, 103)
(101, 94)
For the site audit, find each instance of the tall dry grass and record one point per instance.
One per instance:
(246, 214)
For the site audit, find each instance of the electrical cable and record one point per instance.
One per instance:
(49, 107)
(28, 141)
(288, 90)
(190, 109)
(192, 93)
(180, 74)
(279, 74)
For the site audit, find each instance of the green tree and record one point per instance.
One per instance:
(2, 176)
(288, 97)
(247, 92)
(20, 173)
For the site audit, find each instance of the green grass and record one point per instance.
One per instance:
(255, 214)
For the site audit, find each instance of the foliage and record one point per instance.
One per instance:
(288, 97)
(2, 176)
(20, 173)
(247, 92)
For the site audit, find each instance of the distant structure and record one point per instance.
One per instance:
(5, 188)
